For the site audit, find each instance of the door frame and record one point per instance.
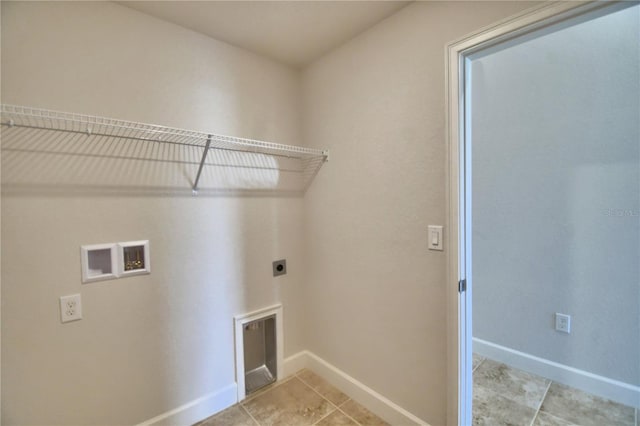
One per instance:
(458, 238)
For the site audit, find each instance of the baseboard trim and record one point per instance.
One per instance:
(358, 391)
(621, 392)
(295, 363)
(212, 403)
(198, 409)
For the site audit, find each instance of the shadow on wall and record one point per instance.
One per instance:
(211, 260)
(50, 162)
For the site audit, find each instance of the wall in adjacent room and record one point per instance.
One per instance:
(556, 195)
(378, 295)
(151, 343)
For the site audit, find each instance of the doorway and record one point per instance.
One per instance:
(545, 189)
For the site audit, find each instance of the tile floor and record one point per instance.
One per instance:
(506, 396)
(503, 396)
(302, 399)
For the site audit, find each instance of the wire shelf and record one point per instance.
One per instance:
(208, 161)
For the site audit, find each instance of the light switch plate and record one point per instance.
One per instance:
(435, 238)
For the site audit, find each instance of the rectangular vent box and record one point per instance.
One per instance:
(99, 262)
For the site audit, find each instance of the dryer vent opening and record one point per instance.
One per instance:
(259, 349)
(260, 353)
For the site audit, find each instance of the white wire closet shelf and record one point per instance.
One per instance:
(51, 149)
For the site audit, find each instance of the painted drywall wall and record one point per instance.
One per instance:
(146, 344)
(556, 195)
(376, 294)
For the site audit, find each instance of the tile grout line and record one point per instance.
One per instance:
(323, 417)
(345, 414)
(250, 415)
(347, 400)
(479, 364)
(348, 416)
(535, 416)
(321, 396)
(337, 408)
(265, 391)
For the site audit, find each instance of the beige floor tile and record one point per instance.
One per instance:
(477, 360)
(336, 418)
(233, 416)
(267, 388)
(361, 414)
(291, 403)
(321, 386)
(492, 409)
(519, 386)
(546, 419)
(584, 409)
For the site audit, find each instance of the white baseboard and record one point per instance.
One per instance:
(210, 404)
(198, 409)
(295, 363)
(356, 390)
(621, 392)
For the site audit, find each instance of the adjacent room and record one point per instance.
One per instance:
(241, 213)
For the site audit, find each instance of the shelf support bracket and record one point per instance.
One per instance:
(204, 157)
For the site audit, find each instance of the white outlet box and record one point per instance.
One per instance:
(99, 262)
(563, 323)
(70, 308)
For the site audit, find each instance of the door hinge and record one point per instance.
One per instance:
(462, 285)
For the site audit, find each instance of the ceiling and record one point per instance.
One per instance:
(293, 32)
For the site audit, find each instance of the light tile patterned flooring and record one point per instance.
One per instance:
(302, 399)
(503, 396)
(507, 396)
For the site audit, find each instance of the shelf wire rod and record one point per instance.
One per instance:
(204, 157)
(258, 150)
(119, 136)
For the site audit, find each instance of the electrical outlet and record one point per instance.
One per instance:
(70, 308)
(279, 267)
(563, 323)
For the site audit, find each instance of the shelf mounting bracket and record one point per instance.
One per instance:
(204, 157)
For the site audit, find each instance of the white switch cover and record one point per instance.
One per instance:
(70, 308)
(435, 238)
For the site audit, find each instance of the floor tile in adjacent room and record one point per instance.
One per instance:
(492, 409)
(361, 414)
(291, 403)
(321, 386)
(519, 386)
(584, 409)
(235, 415)
(337, 418)
(546, 419)
(477, 360)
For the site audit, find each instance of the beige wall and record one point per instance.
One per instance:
(587, 200)
(373, 302)
(377, 296)
(146, 344)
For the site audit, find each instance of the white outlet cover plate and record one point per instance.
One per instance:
(563, 323)
(70, 308)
